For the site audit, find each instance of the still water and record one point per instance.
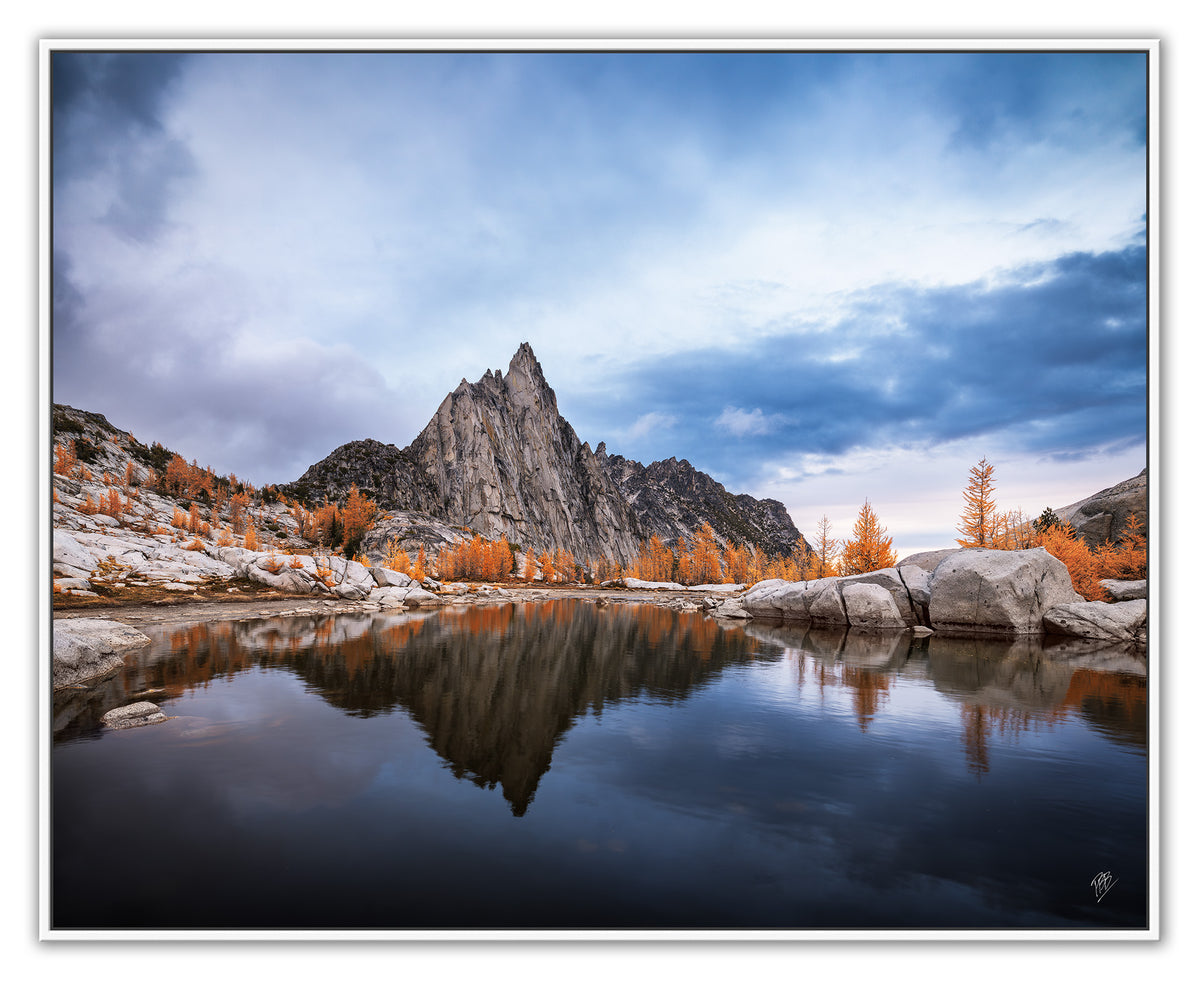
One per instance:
(567, 765)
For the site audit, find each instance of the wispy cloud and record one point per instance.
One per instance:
(739, 422)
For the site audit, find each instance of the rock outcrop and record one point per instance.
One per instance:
(1102, 516)
(1126, 589)
(671, 499)
(498, 459)
(981, 590)
(90, 647)
(970, 591)
(1097, 620)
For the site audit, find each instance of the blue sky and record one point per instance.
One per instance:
(820, 277)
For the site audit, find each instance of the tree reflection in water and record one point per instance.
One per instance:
(495, 687)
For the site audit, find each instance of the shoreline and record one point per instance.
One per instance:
(185, 609)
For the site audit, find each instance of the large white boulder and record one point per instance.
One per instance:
(890, 580)
(777, 598)
(825, 605)
(1097, 620)
(88, 647)
(870, 606)
(68, 551)
(352, 580)
(982, 590)
(389, 577)
(927, 560)
(1125, 589)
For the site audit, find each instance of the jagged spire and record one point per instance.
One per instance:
(524, 358)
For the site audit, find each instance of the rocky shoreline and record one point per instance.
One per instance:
(973, 592)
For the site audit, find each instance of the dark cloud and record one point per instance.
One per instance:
(1050, 96)
(1051, 360)
(108, 122)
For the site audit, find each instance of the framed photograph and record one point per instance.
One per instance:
(599, 490)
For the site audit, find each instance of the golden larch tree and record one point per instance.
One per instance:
(869, 549)
(977, 520)
(823, 558)
(706, 555)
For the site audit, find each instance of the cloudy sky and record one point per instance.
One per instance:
(820, 277)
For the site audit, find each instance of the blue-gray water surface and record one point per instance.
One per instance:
(567, 765)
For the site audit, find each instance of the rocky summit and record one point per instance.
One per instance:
(671, 498)
(1102, 516)
(498, 458)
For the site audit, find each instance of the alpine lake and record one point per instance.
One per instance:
(570, 765)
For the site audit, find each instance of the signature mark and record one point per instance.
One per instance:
(1103, 882)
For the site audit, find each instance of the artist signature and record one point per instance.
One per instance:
(1103, 882)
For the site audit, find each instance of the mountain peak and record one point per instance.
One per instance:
(524, 358)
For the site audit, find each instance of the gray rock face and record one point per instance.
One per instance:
(1102, 516)
(777, 598)
(1125, 589)
(869, 606)
(916, 580)
(987, 591)
(88, 647)
(132, 716)
(926, 560)
(890, 580)
(825, 605)
(1098, 620)
(497, 458)
(671, 498)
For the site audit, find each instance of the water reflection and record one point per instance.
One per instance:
(495, 688)
(1004, 686)
(705, 774)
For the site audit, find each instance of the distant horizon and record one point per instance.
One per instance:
(819, 277)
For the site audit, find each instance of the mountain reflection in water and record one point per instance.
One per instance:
(495, 687)
(705, 773)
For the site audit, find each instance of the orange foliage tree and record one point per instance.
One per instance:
(869, 549)
(978, 513)
(358, 517)
(655, 561)
(65, 460)
(420, 569)
(1132, 560)
(823, 558)
(705, 556)
(737, 563)
(1082, 564)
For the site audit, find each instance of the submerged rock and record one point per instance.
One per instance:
(131, 716)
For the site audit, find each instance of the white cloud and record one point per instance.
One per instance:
(649, 423)
(739, 422)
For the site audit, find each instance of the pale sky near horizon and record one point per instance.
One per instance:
(821, 278)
